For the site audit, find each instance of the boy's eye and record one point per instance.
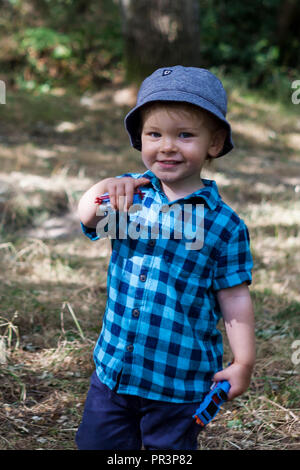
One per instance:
(185, 135)
(154, 134)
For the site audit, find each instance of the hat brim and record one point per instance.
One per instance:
(132, 119)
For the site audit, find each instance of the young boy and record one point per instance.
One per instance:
(159, 349)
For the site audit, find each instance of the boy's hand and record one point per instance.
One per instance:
(238, 375)
(121, 191)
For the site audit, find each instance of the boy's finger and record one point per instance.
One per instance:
(231, 395)
(129, 190)
(219, 376)
(122, 202)
(120, 196)
(112, 199)
(234, 392)
(111, 189)
(141, 182)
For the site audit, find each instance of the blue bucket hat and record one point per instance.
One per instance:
(192, 85)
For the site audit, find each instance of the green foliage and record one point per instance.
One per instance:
(43, 39)
(49, 43)
(243, 38)
(42, 48)
(63, 42)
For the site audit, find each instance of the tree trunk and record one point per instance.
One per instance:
(288, 28)
(159, 33)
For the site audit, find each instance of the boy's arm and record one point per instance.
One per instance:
(117, 188)
(236, 307)
(87, 207)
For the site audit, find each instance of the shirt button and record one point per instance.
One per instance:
(129, 347)
(136, 312)
(143, 277)
(152, 242)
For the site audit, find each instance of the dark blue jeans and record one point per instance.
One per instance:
(113, 421)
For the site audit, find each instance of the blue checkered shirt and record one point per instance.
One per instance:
(159, 337)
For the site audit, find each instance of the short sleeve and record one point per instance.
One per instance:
(234, 264)
(89, 232)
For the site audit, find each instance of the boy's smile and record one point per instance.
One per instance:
(175, 145)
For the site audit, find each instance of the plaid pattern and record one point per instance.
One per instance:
(159, 338)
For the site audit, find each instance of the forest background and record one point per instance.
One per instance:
(69, 72)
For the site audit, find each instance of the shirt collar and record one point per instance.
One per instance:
(209, 193)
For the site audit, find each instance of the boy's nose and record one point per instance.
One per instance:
(168, 145)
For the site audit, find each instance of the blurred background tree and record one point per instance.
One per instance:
(159, 33)
(87, 43)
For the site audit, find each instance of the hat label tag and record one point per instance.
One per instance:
(166, 72)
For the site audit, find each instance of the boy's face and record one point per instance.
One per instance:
(175, 145)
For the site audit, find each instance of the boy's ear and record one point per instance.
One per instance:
(217, 143)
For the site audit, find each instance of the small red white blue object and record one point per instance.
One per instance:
(212, 403)
(104, 200)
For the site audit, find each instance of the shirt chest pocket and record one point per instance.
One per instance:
(189, 270)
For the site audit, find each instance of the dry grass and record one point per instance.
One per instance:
(53, 280)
